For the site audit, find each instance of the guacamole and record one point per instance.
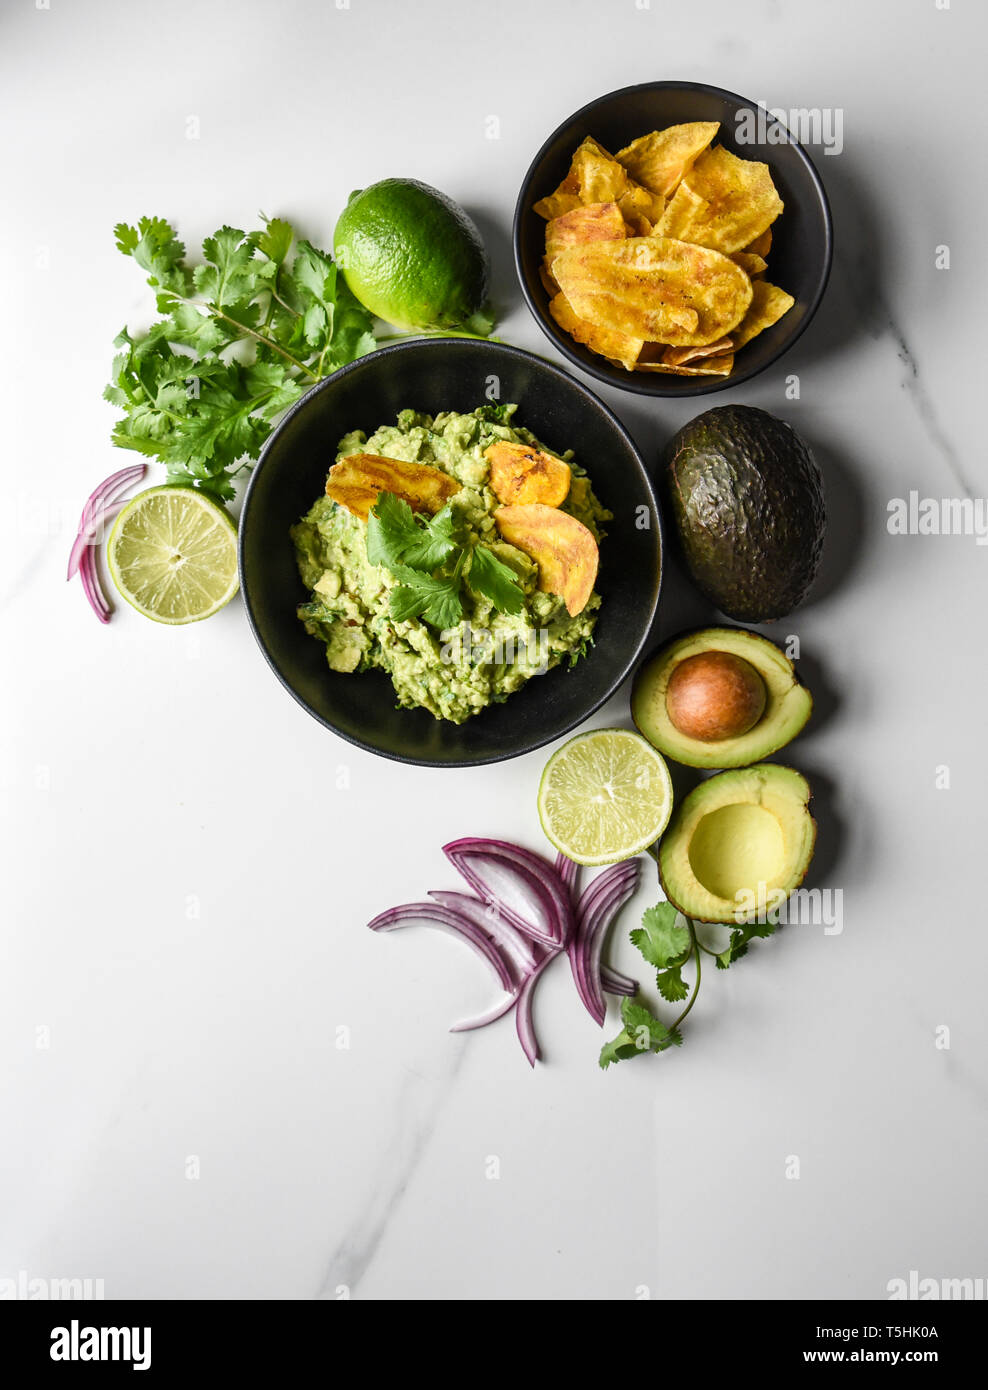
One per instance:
(453, 673)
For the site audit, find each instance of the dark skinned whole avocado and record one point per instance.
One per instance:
(746, 497)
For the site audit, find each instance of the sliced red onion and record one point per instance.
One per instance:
(491, 1016)
(569, 874)
(516, 948)
(96, 510)
(89, 535)
(613, 982)
(92, 588)
(442, 917)
(605, 882)
(597, 927)
(596, 910)
(523, 1013)
(520, 916)
(525, 887)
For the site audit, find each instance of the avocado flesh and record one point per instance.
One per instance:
(742, 837)
(788, 704)
(746, 497)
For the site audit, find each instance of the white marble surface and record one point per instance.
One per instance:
(150, 774)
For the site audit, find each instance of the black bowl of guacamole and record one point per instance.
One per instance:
(433, 376)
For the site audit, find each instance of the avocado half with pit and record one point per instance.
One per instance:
(719, 697)
(739, 839)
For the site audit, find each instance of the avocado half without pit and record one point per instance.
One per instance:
(740, 841)
(719, 697)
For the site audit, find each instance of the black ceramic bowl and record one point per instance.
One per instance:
(435, 375)
(802, 238)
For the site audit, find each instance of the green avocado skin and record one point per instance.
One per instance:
(746, 497)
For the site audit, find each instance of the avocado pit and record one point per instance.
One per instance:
(715, 695)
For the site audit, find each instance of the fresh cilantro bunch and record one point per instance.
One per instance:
(670, 947)
(239, 338)
(431, 564)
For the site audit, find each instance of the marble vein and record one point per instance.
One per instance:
(399, 1161)
(857, 279)
(926, 411)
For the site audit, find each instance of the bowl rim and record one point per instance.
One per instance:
(647, 383)
(467, 345)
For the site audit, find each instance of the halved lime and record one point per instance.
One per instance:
(605, 796)
(172, 553)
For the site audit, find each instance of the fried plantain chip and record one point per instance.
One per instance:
(590, 222)
(640, 209)
(681, 357)
(593, 177)
(684, 209)
(562, 547)
(768, 304)
(741, 197)
(357, 480)
(522, 474)
(656, 288)
(706, 366)
(548, 283)
(761, 245)
(639, 226)
(596, 177)
(750, 263)
(599, 176)
(658, 161)
(620, 347)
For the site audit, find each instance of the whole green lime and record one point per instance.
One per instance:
(413, 257)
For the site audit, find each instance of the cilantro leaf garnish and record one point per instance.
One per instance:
(418, 551)
(495, 580)
(394, 537)
(187, 401)
(642, 1032)
(275, 240)
(671, 985)
(419, 595)
(231, 273)
(658, 938)
(740, 936)
(670, 948)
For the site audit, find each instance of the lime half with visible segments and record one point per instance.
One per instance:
(414, 258)
(605, 796)
(172, 554)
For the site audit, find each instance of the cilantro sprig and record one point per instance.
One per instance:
(396, 538)
(494, 579)
(431, 565)
(238, 339)
(670, 943)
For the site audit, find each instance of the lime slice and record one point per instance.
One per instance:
(172, 553)
(605, 796)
